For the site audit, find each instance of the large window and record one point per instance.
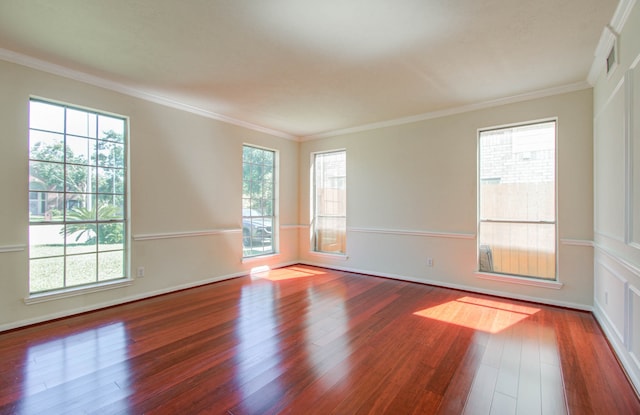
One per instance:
(258, 201)
(517, 208)
(77, 197)
(329, 226)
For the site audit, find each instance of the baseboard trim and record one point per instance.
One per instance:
(619, 348)
(459, 287)
(129, 299)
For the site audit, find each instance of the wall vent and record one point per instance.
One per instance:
(612, 58)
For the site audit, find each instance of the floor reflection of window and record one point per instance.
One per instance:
(327, 341)
(85, 370)
(258, 359)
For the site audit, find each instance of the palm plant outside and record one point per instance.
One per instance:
(88, 231)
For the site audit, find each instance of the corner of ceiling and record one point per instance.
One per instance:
(608, 37)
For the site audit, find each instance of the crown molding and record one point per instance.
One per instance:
(150, 96)
(146, 95)
(621, 14)
(453, 111)
(609, 35)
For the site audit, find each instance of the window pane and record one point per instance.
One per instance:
(517, 173)
(46, 146)
(80, 179)
(269, 159)
(46, 240)
(110, 180)
(46, 206)
(80, 150)
(81, 123)
(267, 190)
(110, 154)
(110, 207)
(518, 201)
(267, 207)
(330, 234)
(110, 265)
(111, 128)
(111, 236)
(43, 116)
(257, 234)
(247, 154)
(46, 176)
(46, 274)
(82, 269)
(80, 207)
(81, 238)
(518, 248)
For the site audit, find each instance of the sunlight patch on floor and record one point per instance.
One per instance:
(491, 316)
(264, 272)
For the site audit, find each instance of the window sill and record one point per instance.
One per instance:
(512, 279)
(342, 257)
(73, 292)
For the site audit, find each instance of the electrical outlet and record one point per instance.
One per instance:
(429, 262)
(140, 273)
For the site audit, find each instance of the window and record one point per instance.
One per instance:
(258, 201)
(77, 197)
(329, 226)
(517, 209)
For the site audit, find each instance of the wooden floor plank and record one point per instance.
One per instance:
(311, 340)
(482, 391)
(529, 399)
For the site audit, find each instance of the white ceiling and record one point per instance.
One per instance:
(306, 68)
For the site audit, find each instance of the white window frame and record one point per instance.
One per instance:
(68, 289)
(260, 218)
(315, 248)
(515, 277)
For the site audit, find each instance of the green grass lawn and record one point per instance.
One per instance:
(84, 265)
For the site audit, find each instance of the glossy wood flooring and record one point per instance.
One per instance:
(304, 340)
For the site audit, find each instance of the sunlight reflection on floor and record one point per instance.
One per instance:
(89, 360)
(491, 316)
(264, 272)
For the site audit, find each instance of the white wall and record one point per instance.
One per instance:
(617, 199)
(186, 177)
(412, 195)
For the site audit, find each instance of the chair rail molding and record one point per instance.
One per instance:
(12, 248)
(185, 234)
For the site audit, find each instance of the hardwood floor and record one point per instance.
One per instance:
(305, 340)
